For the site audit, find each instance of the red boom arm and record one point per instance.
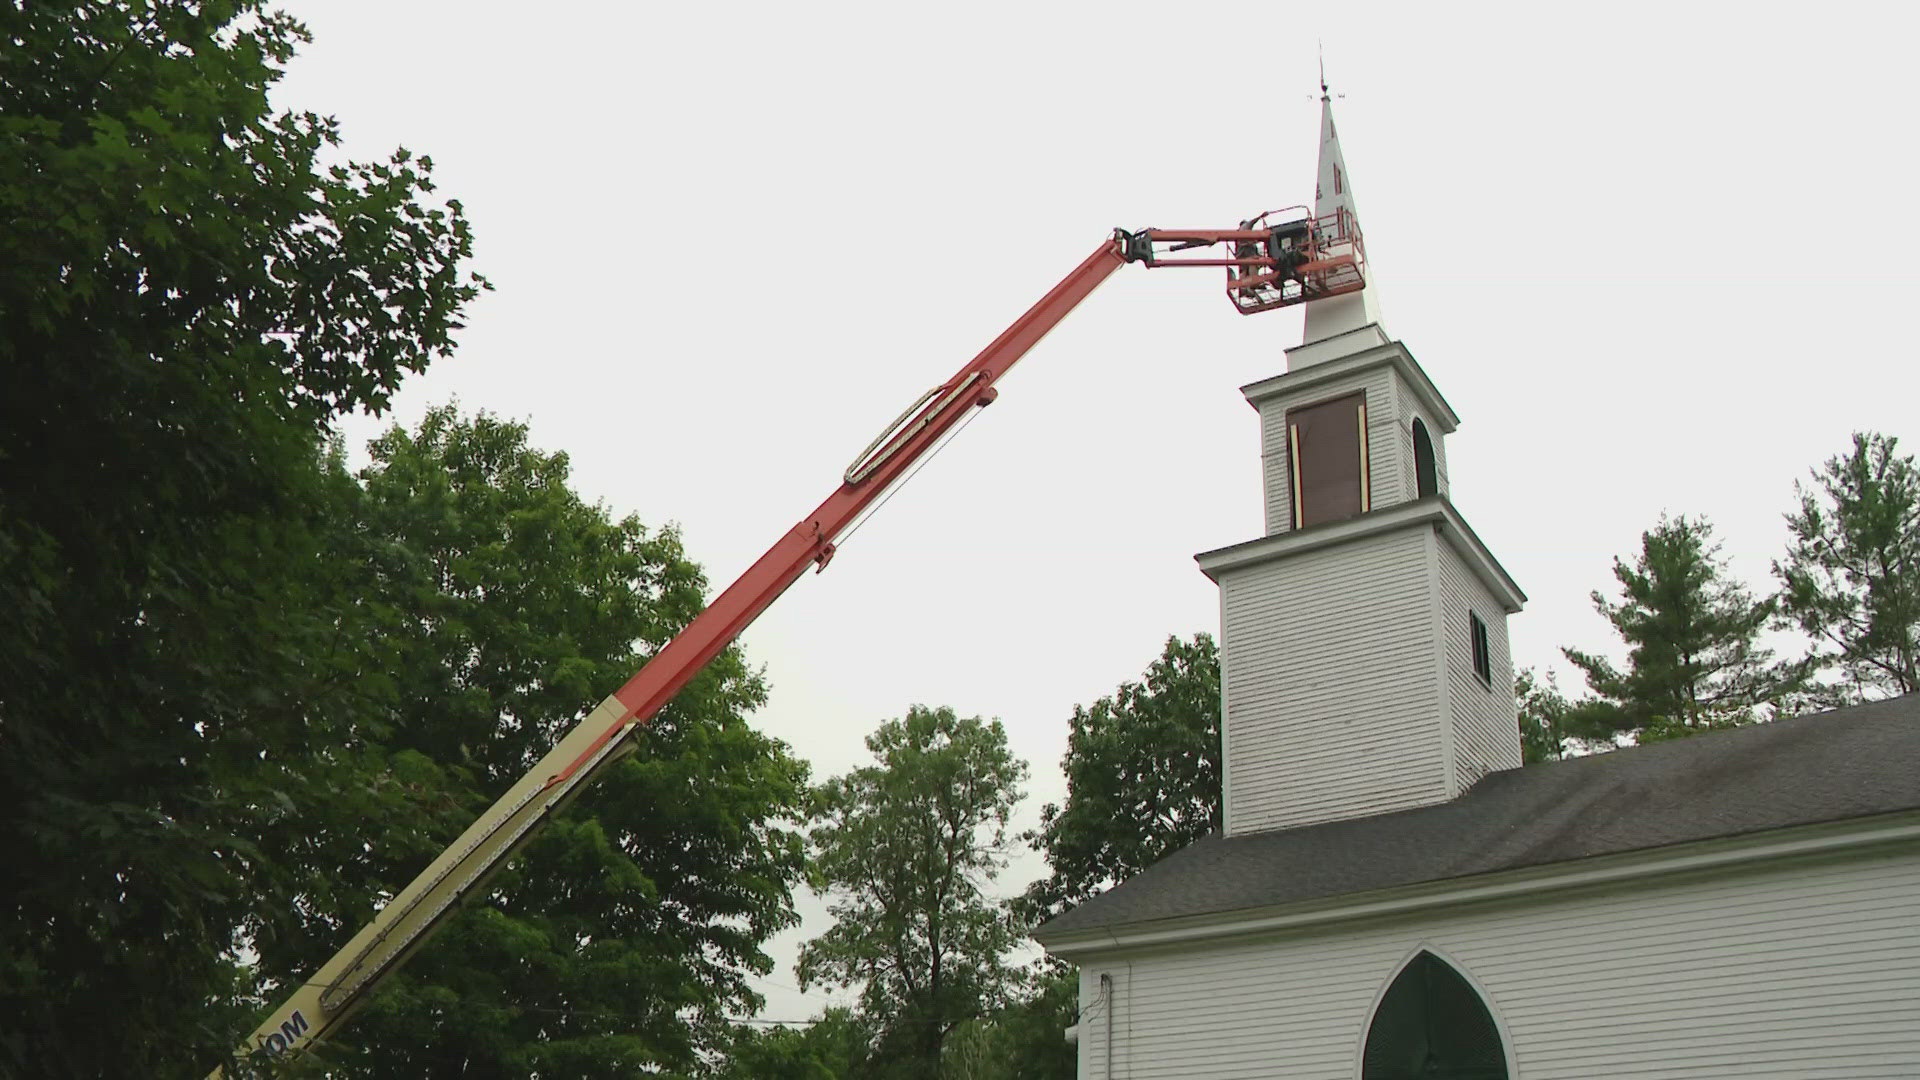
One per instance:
(811, 541)
(317, 1007)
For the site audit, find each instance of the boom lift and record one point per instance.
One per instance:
(1272, 261)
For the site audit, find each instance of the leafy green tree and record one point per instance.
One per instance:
(906, 848)
(1694, 659)
(1143, 778)
(833, 1047)
(1543, 717)
(1851, 578)
(187, 298)
(1025, 1039)
(495, 608)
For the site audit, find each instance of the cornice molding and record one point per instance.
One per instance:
(1434, 511)
(1391, 354)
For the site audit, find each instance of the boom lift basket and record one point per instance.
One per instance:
(1269, 264)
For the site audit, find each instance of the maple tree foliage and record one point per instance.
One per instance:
(489, 609)
(1143, 778)
(188, 296)
(907, 849)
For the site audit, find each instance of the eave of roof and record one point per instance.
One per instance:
(1879, 833)
(1850, 764)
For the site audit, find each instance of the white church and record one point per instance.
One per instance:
(1392, 896)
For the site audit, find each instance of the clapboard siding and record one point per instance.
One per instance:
(1384, 476)
(1485, 726)
(1403, 442)
(1795, 970)
(1332, 708)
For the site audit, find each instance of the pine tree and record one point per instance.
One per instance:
(1851, 578)
(1694, 660)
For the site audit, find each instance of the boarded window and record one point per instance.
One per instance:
(1432, 1025)
(1426, 479)
(1482, 654)
(1329, 451)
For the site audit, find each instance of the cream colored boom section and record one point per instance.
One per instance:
(342, 983)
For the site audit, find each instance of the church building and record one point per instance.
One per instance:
(1393, 896)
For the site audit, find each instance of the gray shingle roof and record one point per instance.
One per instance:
(1852, 762)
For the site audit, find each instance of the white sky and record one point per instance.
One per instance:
(1656, 257)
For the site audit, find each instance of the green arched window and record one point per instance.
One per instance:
(1432, 1025)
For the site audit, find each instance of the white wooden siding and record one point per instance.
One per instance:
(1798, 970)
(1403, 455)
(1383, 441)
(1332, 707)
(1485, 726)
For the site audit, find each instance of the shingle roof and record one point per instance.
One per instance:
(1852, 762)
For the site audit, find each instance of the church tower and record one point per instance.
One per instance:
(1363, 638)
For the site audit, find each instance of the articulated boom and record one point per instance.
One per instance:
(1271, 266)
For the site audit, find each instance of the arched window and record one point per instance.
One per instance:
(1426, 481)
(1432, 1025)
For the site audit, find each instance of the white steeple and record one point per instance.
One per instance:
(1363, 640)
(1333, 200)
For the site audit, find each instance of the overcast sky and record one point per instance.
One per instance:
(1657, 258)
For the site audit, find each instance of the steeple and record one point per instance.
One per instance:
(1363, 639)
(1333, 201)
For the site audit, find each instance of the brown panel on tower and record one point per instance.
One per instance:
(1329, 464)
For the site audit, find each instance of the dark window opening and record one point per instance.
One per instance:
(1482, 654)
(1432, 1025)
(1426, 480)
(1329, 455)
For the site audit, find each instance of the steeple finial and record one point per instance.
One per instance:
(1321, 47)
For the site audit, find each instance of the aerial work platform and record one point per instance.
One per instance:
(1275, 260)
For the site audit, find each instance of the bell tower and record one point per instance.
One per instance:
(1363, 639)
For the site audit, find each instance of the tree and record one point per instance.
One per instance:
(906, 847)
(495, 607)
(1543, 717)
(1143, 778)
(1694, 659)
(1851, 579)
(1024, 1040)
(187, 298)
(832, 1047)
